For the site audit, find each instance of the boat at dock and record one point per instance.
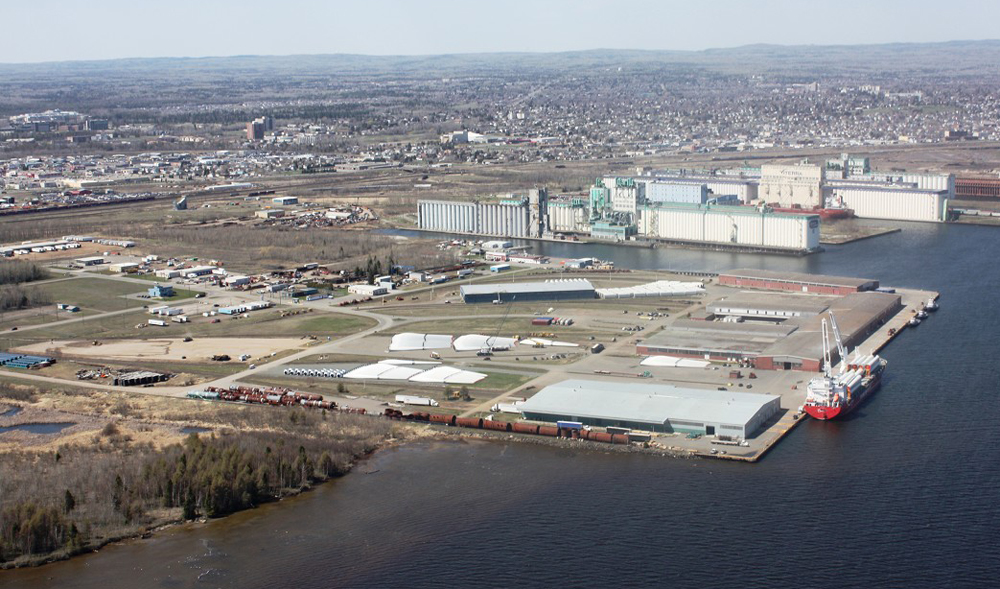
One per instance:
(931, 305)
(833, 397)
(825, 213)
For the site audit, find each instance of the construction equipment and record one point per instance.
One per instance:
(488, 349)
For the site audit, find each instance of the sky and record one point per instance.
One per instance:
(65, 30)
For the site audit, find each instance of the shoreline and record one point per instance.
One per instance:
(644, 244)
(147, 532)
(420, 434)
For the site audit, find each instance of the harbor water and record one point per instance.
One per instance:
(903, 493)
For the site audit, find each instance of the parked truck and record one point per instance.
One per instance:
(411, 400)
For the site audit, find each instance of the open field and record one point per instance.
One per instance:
(98, 294)
(166, 349)
(123, 327)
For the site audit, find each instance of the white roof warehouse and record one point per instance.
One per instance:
(549, 290)
(653, 407)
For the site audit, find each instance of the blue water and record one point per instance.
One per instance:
(905, 493)
(192, 429)
(10, 412)
(37, 428)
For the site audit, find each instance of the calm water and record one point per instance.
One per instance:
(38, 428)
(10, 412)
(193, 429)
(905, 493)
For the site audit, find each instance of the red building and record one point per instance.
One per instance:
(977, 188)
(796, 282)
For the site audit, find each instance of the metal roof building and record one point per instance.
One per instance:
(653, 407)
(796, 281)
(550, 290)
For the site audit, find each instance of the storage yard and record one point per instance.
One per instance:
(712, 365)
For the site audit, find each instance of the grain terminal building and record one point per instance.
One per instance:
(653, 407)
(549, 290)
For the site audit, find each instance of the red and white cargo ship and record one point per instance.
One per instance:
(833, 397)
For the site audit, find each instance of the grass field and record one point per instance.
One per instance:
(260, 324)
(98, 294)
(35, 316)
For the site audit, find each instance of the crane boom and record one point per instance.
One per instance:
(840, 343)
(826, 348)
(489, 344)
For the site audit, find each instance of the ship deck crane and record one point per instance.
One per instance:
(826, 348)
(840, 344)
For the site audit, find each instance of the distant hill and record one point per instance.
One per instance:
(959, 58)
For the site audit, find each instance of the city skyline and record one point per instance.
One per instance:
(120, 29)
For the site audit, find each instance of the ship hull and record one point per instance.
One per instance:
(825, 214)
(827, 413)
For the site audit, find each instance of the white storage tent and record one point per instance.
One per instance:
(474, 342)
(660, 288)
(404, 342)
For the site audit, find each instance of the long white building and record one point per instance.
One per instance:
(726, 225)
(894, 202)
(511, 216)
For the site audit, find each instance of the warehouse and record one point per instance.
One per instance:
(657, 408)
(139, 378)
(714, 340)
(893, 202)
(124, 268)
(550, 290)
(739, 226)
(371, 290)
(744, 189)
(769, 306)
(780, 332)
(796, 282)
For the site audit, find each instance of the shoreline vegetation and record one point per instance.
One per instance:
(125, 469)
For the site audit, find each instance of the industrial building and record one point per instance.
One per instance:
(568, 216)
(139, 378)
(744, 188)
(653, 407)
(791, 186)
(371, 290)
(625, 194)
(550, 290)
(124, 268)
(510, 216)
(977, 188)
(796, 282)
(160, 291)
(880, 201)
(740, 226)
(772, 331)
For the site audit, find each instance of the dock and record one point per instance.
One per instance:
(913, 301)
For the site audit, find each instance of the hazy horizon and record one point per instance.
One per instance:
(123, 29)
